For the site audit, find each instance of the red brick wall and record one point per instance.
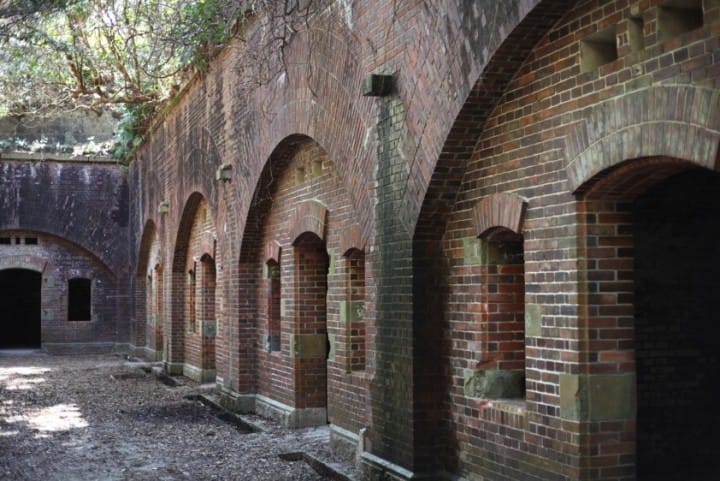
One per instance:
(578, 256)
(485, 102)
(311, 289)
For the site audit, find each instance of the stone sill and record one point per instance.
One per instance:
(512, 406)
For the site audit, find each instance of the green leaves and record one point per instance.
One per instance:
(64, 54)
(131, 128)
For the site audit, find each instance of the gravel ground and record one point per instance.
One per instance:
(103, 418)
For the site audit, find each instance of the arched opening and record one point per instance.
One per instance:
(20, 300)
(502, 325)
(190, 342)
(651, 264)
(206, 310)
(274, 301)
(155, 298)
(675, 230)
(311, 345)
(149, 296)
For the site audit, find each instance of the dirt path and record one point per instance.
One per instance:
(101, 418)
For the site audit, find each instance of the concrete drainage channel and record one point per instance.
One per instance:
(246, 426)
(319, 466)
(224, 415)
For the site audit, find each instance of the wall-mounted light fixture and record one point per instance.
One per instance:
(377, 85)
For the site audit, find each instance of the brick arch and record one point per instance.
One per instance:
(147, 327)
(513, 47)
(629, 179)
(351, 240)
(176, 339)
(310, 216)
(680, 122)
(29, 262)
(499, 210)
(322, 100)
(489, 87)
(95, 258)
(183, 233)
(148, 235)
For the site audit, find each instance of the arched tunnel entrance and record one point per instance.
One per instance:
(20, 308)
(676, 226)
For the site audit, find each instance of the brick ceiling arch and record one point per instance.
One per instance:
(187, 219)
(467, 128)
(264, 191)
(321, 100)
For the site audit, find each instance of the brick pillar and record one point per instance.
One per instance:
(174, 352)
(602, 397)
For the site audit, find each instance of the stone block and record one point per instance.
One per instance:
(597, 397)
(472, 251)
(332, 266)
(352, 311)
(309, 346)
(208, 328)
(332, 338)
(479, 252)
(533, 320)
(494, 384)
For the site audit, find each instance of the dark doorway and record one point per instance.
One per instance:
(676, 227)
(20, 308)
(311, 277)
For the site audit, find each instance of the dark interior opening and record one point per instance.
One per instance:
(676, 227)
(20, 308)
(79, 299)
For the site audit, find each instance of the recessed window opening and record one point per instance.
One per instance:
(207, 289)
(31, 241)
(5, 241)
(677, 17)
(504, 281)
(192, 286)
(273, 305)
(635, 34)
(598, 49)
(79, 299)
(355, 315)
